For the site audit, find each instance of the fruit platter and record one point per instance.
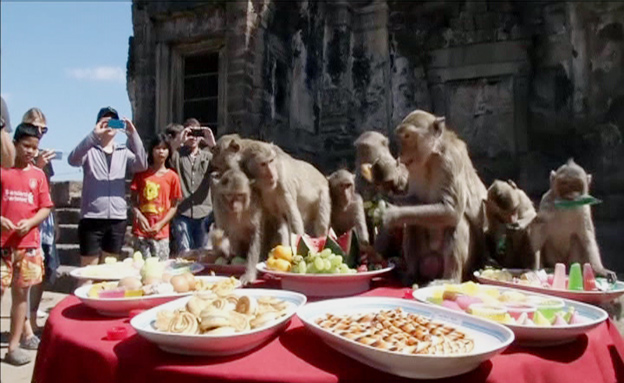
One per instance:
(329, 268)
(584, 287)
(219, 323)
(114, 270)
(118, 298)
(404, 337)
(535, 319)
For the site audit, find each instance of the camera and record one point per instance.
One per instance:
(197, 132)
(116, 124)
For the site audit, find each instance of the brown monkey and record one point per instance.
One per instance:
(444, 234)
(567, 235)
(509, 212)
(238, 220)
(226, 154)
(293, 192)
(347, 211)
(389, 175)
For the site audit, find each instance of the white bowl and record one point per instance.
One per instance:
(489, 338)
(325, 285)
(593, 297)
(122, 306)
(538, 335)
(215, 345)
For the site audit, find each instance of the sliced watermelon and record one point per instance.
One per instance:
(345, 241)
(305, 243)
(353, 254)
(334, 247)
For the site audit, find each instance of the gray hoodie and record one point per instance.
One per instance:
(104, 189)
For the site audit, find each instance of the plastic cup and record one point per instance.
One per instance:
(116, 333)
(492, 312)
(516, 309)
(575, 280)
(559, 277)
(549, 307)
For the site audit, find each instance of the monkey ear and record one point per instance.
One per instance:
(513, 184)
(235, 146)
(553, 175)
(439, 126)
(385, 142)
(589, 180)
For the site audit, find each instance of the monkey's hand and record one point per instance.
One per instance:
(248, 277)
(606, 273)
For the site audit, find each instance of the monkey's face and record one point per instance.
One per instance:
(237, 202)
(569, 188)
(235, 191)
(506, 213)
(264, 168)
(416, 144)
(503, 202)
(370, 145)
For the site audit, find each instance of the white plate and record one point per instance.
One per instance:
(216, 345)
(538, 335)
(489, 338)
(115, 272)
(594, 297)
(325, 285)
(122, 306)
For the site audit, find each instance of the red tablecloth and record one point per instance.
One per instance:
(74, 350)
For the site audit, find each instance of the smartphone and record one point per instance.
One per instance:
(116, 124)
(57, 155)
(197, 132)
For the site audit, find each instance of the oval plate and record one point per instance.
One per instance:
(490, 338)
(325, 285)
(538, 335)
(216, 345)
(122, 306)
(115, 271)
(593, 297)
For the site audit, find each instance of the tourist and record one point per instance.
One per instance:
(155, 195)
(25, 204)
(7, 154)
(194, 214)
(103, 210)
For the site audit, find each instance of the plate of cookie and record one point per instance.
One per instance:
(219, 323)
(405, 338)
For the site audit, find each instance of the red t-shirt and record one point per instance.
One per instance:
(155, 196)
(24, 192)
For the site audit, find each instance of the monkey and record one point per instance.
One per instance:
(390, 176)
(567, 235)
(226, 154)
(239, 229)
(444, 234)
(509, 212)
(347, 206)
(293, 192)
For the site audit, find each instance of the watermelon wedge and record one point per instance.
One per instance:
(305, 243)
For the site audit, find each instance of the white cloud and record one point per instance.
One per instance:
(100, 73)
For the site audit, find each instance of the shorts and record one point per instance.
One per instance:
(150, 247)
(21, 267)
(97, 235)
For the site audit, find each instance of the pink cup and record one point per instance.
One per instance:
(516, 309)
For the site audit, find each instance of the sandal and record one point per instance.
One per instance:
(31, 343)
(17, 357)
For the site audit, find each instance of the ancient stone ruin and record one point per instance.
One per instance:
(525, 84)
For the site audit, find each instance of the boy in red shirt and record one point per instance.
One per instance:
(25, 204)
(155, 195)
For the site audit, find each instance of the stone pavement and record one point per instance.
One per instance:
(22, 374)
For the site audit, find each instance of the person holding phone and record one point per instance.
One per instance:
(103, 209)
(194, 215)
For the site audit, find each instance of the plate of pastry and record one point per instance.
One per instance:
(215, 323)
(535, 319)
(405, 337)
(118, 298)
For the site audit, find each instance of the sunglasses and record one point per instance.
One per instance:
(43, 129)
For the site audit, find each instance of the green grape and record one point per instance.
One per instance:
(326, 253)
(319, 264)
(344, 269)
(311, 269)
(294, 269)
(297, 259)
(303, 268)
(336, 260)
(335, 270)
(328, 265)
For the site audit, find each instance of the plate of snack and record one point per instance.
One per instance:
(535, 319)
(118, 298)
(114, 270)
(319, 274)
(584, 287)
(404, 337)
(217, 323)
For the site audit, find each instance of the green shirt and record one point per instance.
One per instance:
(194, 172)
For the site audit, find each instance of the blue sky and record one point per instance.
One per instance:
(68, 59)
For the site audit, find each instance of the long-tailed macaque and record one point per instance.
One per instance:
(293, 192)
(566, 234)
(239, 227)
(347, 210)
(443, 236)
(509, 212)
(227, 152)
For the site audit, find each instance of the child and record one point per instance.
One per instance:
(192, 164)
(155, 194)
(103, 211)
(25, 204)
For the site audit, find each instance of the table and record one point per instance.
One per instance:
(74, 350)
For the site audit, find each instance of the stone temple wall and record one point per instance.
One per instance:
(526, 84)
